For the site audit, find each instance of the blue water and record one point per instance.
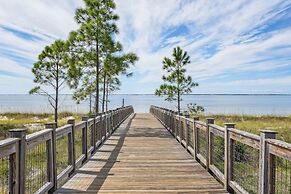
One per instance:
(238, 104)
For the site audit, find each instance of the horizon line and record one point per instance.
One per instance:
(286, 94)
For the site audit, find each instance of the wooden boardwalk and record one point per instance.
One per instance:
(141, 157)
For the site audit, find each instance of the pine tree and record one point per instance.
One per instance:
(176, 83)
(51, 73)
(96, 20)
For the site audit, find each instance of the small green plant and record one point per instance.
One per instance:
(195, 109)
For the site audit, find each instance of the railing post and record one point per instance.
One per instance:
(187, 116)
(114, 120)
(267, 165)
(177, 119)
(228, 157)
(107, 123)
(166, 118)
(93, 133)
(180, 128)
(171, 121)
(103, 128)
(174, 124)
(195, 137)
(52, 158)
(20, 159)
(99, 128)
(208, 142)
(85, 138)
(72, 150)
(110, 122)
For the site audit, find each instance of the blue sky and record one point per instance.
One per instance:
(235, 46)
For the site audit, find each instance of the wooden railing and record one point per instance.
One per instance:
(241, 161)
(39, 162)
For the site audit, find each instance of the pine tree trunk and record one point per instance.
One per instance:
(107, 94)
(103, 97)
(97, 78)
(90, 104)
(57, 96)
(56, 114)
(179, 111)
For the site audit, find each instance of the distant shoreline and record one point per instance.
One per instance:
(271, 94)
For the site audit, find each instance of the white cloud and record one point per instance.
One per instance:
(7, 65)
(285, 81)
(54, 18)
(223, 23)
(146, 27)
(45, 19)
(15, 85)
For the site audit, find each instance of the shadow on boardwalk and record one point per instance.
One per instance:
(109, 163)
(142, 157)
(104, 171)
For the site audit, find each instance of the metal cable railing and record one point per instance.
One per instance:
(246, 167)
(282, 176)
(42, 161)
(4, 175)
(36, 168)
(243, 162)
(201, 140)
(190, 134)
(78, 143)
(62, 153)
(217, 148)
(89, 136)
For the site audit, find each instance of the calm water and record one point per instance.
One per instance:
(239, 104)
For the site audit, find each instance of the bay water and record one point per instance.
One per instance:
(213, 104)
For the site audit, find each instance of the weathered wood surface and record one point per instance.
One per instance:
(141, 157)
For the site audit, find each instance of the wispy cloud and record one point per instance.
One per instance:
(223, 37)
(234, 42)
(26, 27)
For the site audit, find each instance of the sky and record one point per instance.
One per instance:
(241, 46)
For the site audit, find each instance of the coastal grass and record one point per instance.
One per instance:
(32, 121)
(246, 162)
(36, 157)
(253, 123)
(250, 123)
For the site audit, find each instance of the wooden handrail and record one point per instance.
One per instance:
(267, 146)
(98, 129)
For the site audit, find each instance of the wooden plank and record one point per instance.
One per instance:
(19, 167)
(80, 125)
(279, 148)
(45, 188)
(80, 160)
(141, 157)
(200, 125)
(8, 141)
(237, 188)
(279, 151)
(38, 137)
(7, 150)
(245, 138)
(191, 150)
(217, 173)
(64, 173)
(202, 159)
(216, 130)
(62, 131)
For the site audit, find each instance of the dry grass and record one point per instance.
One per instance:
(31, 122)
(253, 124)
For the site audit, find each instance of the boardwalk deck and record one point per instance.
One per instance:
(141, 157)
